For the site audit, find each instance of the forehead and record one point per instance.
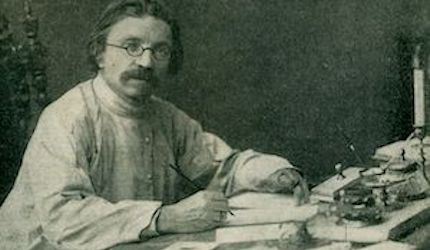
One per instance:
(147, 29)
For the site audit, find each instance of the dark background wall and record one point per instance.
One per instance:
(275, 76)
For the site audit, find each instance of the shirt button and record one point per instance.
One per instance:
(147, 140)
(149, 176)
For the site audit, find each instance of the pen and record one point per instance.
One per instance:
(349, 144)
(179, 172)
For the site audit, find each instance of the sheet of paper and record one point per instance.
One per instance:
(390, 245)
(261, 200)
(192, 245)
(255, 232)
(335, 246)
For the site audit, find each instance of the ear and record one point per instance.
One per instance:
(100, 60)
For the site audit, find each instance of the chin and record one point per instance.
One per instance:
(140, 95)
(139, 89)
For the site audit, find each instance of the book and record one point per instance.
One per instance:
(395, 150)
(326, 191)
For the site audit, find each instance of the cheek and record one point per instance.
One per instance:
(111, 61)
(162, 69)
(112, 65)
(115, 67)
(115, 61)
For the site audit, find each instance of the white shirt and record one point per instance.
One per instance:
(97, 169)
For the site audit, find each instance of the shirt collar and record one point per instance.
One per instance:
(115, 103)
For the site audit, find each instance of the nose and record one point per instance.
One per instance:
(146, 60)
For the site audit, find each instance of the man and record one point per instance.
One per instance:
(110, 163)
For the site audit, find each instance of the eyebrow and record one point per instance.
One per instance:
(140, 41)
(130, 40)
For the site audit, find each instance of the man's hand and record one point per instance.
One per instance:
(202, 211)
(287, 180)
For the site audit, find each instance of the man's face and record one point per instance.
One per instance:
(134, 78)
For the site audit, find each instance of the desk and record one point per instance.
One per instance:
(419, 238)
(274, 221)
(166, 240)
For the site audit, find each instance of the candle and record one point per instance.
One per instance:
(419, 98)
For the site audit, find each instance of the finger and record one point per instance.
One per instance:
(288, 178)
(216, 196)
(219, 206)
(298, 194)
(301, 193)
(223, 216)
(217, 217)
(211, 223)
(284, 181)
(306, 191)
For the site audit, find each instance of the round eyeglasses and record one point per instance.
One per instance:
(161, 52)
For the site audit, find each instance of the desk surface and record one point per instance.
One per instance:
(419, 238)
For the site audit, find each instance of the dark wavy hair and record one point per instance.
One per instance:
(120, 9)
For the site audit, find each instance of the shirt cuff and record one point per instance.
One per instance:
(151, 230)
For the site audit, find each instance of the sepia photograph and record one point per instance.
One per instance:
(214, 124)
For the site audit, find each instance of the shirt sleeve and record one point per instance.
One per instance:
(252, 169)
(227, 170)
(70, 212)
(151, 230)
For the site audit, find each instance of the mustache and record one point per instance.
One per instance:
(139, 73)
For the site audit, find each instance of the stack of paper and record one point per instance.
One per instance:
(262, 208)
(256, 233)
(262, 216)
